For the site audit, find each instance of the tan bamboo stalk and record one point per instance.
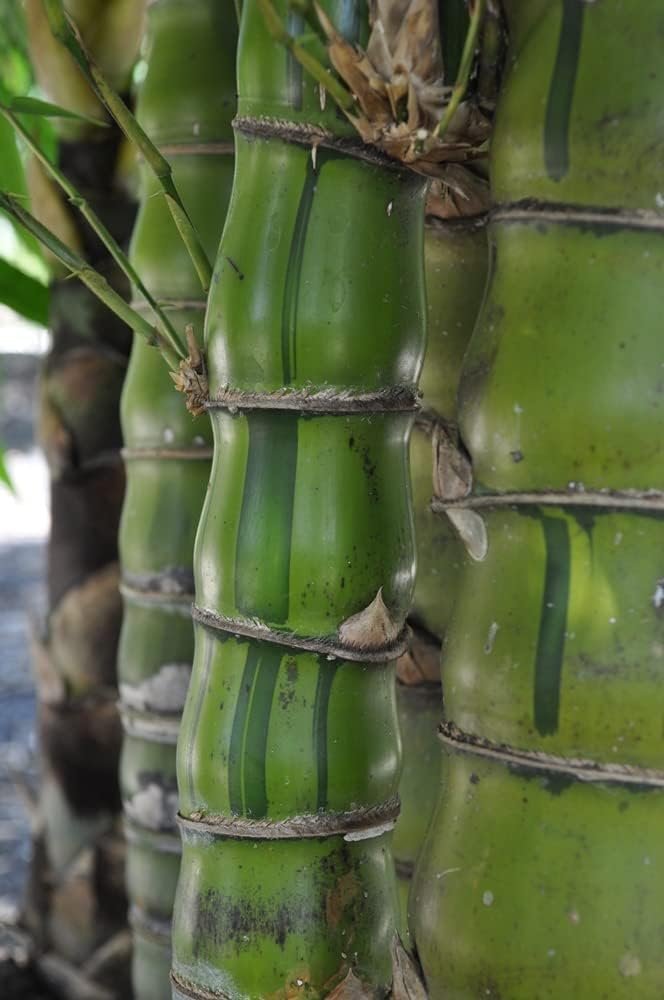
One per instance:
(77, 897)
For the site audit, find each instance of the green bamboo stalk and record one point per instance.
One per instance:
(456, 259)
(65, 32)
(79, 202)
(288, 753)
(548, 825)
(186, 103)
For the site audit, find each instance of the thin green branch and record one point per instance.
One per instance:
(96, 282)
(78, 201)
(66, 33)
(465, 67)
(313, 66)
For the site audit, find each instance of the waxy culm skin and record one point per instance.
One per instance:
(541, 872)
(456, 259)
(288, 756)
(186, 104)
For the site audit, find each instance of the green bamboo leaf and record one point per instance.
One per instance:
(5, 478)
(65, 31)
(24, 294)
(44, 109)
(95, 281)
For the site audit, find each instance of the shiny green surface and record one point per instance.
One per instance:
(580, 110)
(420, 710)
(562, 381)
(456, 261)
(331, 541)
(265, 915)
(304, 286)
(539, 888)
(575, 663)
(310, 759)
(318, 287)
(548, 881)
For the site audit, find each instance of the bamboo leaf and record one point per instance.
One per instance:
(96, 282)
(78, 201)
(5, 478)
(66, 33)
(44, 109)
(23, 294)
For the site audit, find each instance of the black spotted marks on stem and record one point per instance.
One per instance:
(561, 90)
(553, 623)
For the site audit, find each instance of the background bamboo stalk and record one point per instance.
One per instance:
(548, 827)
(185, 105)
(456, 261)
(76, 897)
(288, 751)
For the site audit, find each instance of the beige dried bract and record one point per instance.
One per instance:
(191, 379)
(399, 88)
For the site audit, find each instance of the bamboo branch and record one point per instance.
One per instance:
(66, 33)
(465, 66)
(78, 201)
(96, 282)
(323, 76)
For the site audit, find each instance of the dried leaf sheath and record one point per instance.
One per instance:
(553, 767)
(305, 541)
(187, 114)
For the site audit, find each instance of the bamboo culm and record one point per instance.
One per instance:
(185, 104)
(288, 755)
(548, 826)
(456, 260)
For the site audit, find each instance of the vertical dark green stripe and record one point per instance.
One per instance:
(553, 621)
(326, 673)
(255, 745)
(293, 272)
(262, 560)
(561, 91)
(235, 754)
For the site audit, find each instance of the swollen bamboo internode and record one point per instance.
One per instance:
(456, 260)
(288, 754)
(186, 104)
(547, 836)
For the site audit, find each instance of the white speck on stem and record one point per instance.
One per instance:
(447, 871)
(487, 898)
(169, 435)
(517, 408)
(659, 199)
(658, 596)
(629, 965)
(196, 128)
(612, 620)
(390, 206)
(491, 637)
